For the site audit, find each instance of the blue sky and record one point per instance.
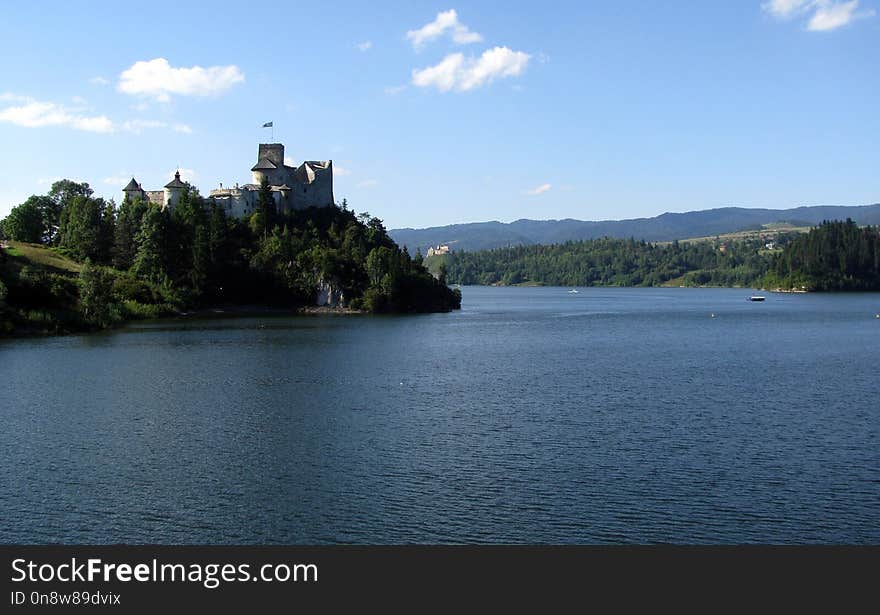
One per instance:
(437, 113)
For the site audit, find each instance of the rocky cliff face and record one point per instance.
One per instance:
(329, 295)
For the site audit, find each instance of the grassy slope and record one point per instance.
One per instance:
(41, 258)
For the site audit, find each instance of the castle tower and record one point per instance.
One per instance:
(274, 152)
(270, 160)
(133, 191)
(172, 191)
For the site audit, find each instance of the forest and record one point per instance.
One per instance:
(835, 256)
(832, 256)
(139, 260)
(613, 262)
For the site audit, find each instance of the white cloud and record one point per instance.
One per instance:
(825, 15)
(786, 8)
(394, 89)
(99, 81)
(137, 126)
(10, 97)
(118, 180)
(368, 183)
(462, 74)
(36, 114)
(290, 162)
(539, 190)
(341, 171)
(830, 16)
(446, 21)
(79, 100)
(48, 181)
(187, 175)
(365, 46)
(158, 79)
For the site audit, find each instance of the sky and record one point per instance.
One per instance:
(442, 113)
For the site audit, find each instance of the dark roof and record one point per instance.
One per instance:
(175, 183)
(132, 186)
(282, 187)
(264, 163)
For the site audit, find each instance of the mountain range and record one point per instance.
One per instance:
(665, 227)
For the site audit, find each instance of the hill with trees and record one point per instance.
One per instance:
(835, 256)
(831, 256)
(665, 227)
(139, 260)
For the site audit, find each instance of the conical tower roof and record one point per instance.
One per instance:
(176, 183)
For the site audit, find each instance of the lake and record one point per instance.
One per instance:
(533, 415)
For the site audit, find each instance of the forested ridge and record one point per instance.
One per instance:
(139, 260)
(832, 256)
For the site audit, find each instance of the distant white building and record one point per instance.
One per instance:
(438, 250)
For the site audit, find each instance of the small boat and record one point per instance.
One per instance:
(756, 298)
(573, 291)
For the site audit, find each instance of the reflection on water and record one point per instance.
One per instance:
(533, 415)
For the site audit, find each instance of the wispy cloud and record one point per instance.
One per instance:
(462, 74)
(539, 190)
(36, 114)
(99, 81)
(137, 126)
(158, 79)
(830, 16)
(30, 113)
(187, 175)
(365, 46)
(824, 15)
(786, 8)
(394, 89)
(368, 183)
(445, 22)
(341, 171)
(118, 180)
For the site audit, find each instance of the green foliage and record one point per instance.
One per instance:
(151, 242)
(610, 262)
(266, 208)
(96, 296)
(833, 256)
(61, 195)
(128, 224)
(25, 222)
(87, 228)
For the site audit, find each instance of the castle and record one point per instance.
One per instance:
(308, 185)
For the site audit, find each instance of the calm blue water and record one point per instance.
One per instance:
(533, 415)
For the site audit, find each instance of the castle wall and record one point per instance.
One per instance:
(317, 194)
(236, 203)
(157, 197)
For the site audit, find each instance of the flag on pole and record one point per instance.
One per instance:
(267, 125)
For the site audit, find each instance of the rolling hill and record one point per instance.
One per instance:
(665, 227)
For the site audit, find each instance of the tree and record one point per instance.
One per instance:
(96, 295)
(128, 223)
(61, 195)
(25, 222)
(266, 206)
(151, 241)
(86, 229)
